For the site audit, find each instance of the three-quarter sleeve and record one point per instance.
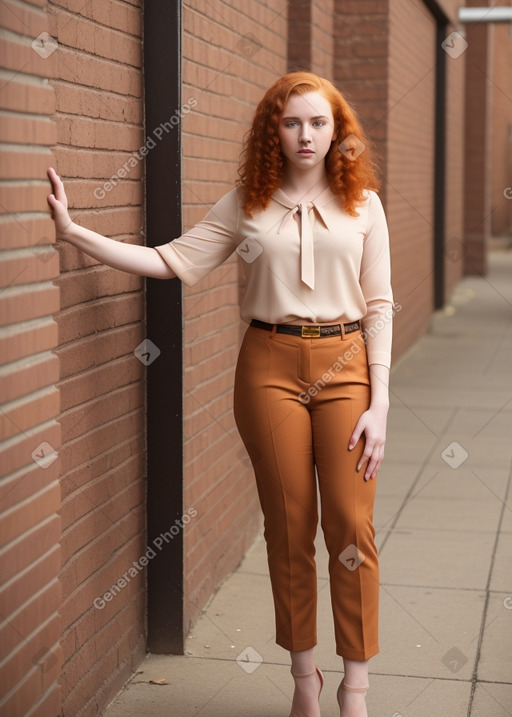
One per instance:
(375, 281)
(207, 244)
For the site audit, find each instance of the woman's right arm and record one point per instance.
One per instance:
(141, 260)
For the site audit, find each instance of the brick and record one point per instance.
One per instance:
(25, 517)
(24, 377)
(96, 442)
(51, 702)
(126, 18)
(352, 31)
(80, 599)
(17, 304)
(89, 37)
(98, 134)
(26, 94)
(23, 19)
(25, 164)
(24, 198)
(28, 617)
(81, 320)
(28, 266)
(363, 7)
(17, 453)
(87, 102)
(27, 339)
(25, 130)
(27, 583)
(97, 350)
(18, 54)
(36, 3)
(29, 692)
(26, 232)
(84, 418)
(99, 166)
(30, 548)
(87, 527)
(81, 684)
(99, 73)
(98, 382)
(84, 476)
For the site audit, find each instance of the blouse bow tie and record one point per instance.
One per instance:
(307, 253)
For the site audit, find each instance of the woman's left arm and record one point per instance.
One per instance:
(373, 422)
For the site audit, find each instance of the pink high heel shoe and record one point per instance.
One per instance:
(308, 674)
(343, 686)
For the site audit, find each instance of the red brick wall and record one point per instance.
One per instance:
(477, 192)
(98, 119)
(454, 162)
(30, 434)
(501, 122)
(322, 37)
(230, 57)
(360, 67)
(410, 165)
(299, 36)
(310, 36)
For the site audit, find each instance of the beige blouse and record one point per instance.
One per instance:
(309, 262)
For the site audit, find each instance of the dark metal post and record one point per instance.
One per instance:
(162, 87)
(440, 169)
(439, 257)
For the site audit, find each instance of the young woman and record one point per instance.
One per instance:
(311, 384)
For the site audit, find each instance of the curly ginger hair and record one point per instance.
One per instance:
(262, 162)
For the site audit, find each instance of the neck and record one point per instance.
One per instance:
(304, 185)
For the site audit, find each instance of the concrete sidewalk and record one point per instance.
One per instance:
(444, 529)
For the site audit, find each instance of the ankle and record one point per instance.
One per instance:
(362, 688)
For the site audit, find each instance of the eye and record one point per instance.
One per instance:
(320, 123)
(291, 123)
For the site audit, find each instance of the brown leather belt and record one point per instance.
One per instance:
(308, 332)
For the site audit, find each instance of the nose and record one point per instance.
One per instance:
(305, 133)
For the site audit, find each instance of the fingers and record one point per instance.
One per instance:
(356, 435)
(56, 182)
(373, 456)
(374, 428)
(373, 453)
(52, 176)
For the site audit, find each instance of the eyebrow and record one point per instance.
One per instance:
(313, 118)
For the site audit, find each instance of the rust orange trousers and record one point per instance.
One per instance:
(297, 401)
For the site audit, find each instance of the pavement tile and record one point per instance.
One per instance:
(495, 662)
(492, 699)
(428, 632)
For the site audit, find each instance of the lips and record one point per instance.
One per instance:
(305, 152)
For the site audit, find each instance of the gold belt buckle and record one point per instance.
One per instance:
(312, 332)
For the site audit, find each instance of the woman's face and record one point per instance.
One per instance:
(306, 130)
